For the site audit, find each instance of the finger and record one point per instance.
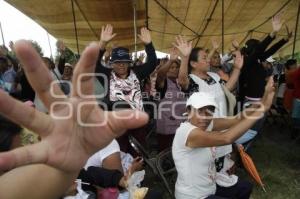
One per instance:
(37, 73)
(181, 39)
(102, 30)
(31, 154)
(25, 115)
(140, 36)
(115, 34)
(83, 78)
(120, 121)
(175, 45)
(190, 44)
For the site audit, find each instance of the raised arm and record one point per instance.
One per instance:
(144, 70)
(215, 46)
(106, 36)
(184, 47)
(236, 126)
(273, 49)
(234, 77)
(276, 25)
(163, 70)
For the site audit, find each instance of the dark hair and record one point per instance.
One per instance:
(250, 46)
(193, 57)
(48, 61)
(289, 63)
(8, 130)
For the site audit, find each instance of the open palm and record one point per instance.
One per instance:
(75, 128)
(183, 46)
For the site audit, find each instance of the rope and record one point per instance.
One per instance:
(169, 13)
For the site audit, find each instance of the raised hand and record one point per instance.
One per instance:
(145, 36)
(11, 45)
(289, 33)
(183, 46)
(215, 44)
(107, 33)
(268, 97)
(238, 59)
(235, 44)
(75, 128)
(277, 23)
(173, 54)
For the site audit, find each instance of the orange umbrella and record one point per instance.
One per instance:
(250, 167)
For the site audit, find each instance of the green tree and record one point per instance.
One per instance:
(37, 47)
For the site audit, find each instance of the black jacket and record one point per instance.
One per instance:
(253, 75)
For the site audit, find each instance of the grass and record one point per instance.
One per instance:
(277, 159)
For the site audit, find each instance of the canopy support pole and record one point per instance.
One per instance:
(295, 34)
(147, 16)
(135, 29)
(3, 41)
(51, 56)
(75, 26)
(222, 27)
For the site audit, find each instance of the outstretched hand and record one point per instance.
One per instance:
(238, 60)
(289, 33)
(215, 44)
(145, 36)
(75, 128)
(107, 33)
(183, 46)
(173, 54)
(276, 22)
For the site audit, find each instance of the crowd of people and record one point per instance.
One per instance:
(65, 121)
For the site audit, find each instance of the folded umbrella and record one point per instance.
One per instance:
(250, 166)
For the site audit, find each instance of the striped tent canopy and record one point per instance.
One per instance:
(78, 22)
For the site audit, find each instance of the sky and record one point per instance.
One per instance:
(16, 25)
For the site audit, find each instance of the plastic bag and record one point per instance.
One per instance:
(134, 183)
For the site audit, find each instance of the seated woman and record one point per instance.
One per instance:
(106, 169)
(194, 146)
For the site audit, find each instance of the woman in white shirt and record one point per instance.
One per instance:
(194, 146)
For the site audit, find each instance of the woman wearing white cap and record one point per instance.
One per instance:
(195, 142)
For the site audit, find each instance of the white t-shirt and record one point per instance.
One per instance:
(195, 166)
(97, 159)
(214, 90)
(217, 92)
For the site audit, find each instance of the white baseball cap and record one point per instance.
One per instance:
(200, 99)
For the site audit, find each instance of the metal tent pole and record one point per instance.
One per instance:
(51, 55)
(295, 34)
(3, 41)
(135, 29)
(75, 26)
(223, 27)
